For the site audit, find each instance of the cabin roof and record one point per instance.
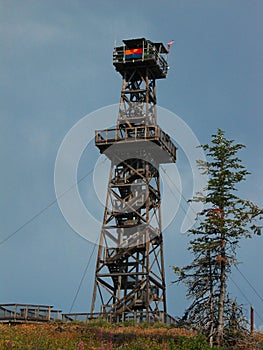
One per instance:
(133, 43)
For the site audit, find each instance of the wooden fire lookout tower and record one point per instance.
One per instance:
(129, 276)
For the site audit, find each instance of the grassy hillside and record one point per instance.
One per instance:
(98, 336)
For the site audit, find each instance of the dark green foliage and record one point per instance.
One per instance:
(196, 343)
(181, 343)
(225, 220)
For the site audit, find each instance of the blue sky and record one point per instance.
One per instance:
(56, 67)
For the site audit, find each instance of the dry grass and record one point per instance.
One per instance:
(98, 336)
(62, 336)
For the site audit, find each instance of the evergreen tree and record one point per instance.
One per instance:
(225, 220)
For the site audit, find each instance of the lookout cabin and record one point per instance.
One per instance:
(141, 54)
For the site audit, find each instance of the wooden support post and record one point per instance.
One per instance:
(251, 319)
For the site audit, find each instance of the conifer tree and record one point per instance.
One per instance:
(225, 220)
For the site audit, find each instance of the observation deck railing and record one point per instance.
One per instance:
(108, 137)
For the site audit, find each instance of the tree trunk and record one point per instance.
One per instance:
(222, 295)
(211, 332)
(211, 304)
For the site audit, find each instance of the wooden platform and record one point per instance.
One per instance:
(138, 138)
